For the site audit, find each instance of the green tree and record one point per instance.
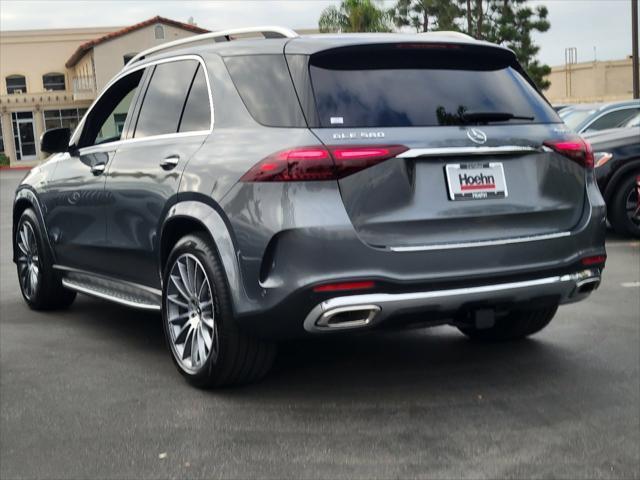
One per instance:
(510, 23)
(355, 16)
(425, 15)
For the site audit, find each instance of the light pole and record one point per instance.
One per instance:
(634, 48)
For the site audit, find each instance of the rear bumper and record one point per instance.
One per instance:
(359, 311)
(306, 239)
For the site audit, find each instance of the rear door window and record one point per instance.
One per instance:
(410, 85)
(165, 98)
(197, 109)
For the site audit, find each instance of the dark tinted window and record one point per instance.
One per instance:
(164, 99)
(405, 85)
(197, 111)
(613, 119)
(264, 84)
(16, 84)
(53, 81)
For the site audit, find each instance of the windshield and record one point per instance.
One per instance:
(573, 117)
(421, 89)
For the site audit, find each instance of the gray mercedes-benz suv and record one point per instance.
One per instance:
(258, 189)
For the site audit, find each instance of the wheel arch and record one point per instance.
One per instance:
(25, 198)
(192, 216)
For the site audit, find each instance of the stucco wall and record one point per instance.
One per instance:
(592, 82)
(33, 53)
(109, 56)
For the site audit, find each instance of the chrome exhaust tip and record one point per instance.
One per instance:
(347, 317)
(587, 286)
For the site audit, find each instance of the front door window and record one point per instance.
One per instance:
(24, 135)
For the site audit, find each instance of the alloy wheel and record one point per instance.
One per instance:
(28, 260)
(191, 314)
(632, 204)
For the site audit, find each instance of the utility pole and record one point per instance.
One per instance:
(634, 48)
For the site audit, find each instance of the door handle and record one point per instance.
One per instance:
(170, 162)
(98, 169)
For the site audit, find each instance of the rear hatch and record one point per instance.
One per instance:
(470, 172)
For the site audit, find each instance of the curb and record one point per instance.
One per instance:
(8, 167)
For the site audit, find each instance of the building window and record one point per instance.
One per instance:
(66, 117)
(159, 32)
(53, 81)
(16, 84)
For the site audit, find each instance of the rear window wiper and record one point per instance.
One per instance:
(486, 117)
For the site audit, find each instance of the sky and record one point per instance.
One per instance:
(584, 24)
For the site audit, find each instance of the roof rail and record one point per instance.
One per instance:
(221, 36)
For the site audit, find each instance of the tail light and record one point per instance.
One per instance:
(343, 286)
(319, 163)
(578, 150)
(594, 260)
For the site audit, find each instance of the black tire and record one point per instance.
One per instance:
(47, 292)
(618, 215)
(514, 326)
(236, 358)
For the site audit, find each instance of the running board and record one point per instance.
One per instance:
(117, 291)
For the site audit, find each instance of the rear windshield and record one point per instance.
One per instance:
(403, 86)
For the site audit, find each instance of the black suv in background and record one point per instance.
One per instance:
(253, 190)
(617, 167)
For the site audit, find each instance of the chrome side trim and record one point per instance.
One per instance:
(564, 287)
(450, 151)
(482, 243)
(105, 296)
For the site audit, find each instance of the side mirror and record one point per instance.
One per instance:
(55, 140)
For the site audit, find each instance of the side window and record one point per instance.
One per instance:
(613, 119)
(165, 97)
(197, 110)
(265, 86)
(106, 120)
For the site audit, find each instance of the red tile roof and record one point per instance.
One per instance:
(85, 47)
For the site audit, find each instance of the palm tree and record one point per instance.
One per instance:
(355, 16)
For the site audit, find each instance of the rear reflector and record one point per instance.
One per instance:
(576, 149)
(338, 287)
(319, 163)
(594, 260)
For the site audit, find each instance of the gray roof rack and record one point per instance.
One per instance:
(221, 36)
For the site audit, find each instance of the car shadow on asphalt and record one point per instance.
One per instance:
(399, 362)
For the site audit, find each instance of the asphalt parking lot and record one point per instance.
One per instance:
(92, 393)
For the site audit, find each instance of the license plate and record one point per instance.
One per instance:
(476, 181)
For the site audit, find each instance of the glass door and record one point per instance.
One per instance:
(24, 135)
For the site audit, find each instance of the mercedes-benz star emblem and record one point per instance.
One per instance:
(476, 135)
